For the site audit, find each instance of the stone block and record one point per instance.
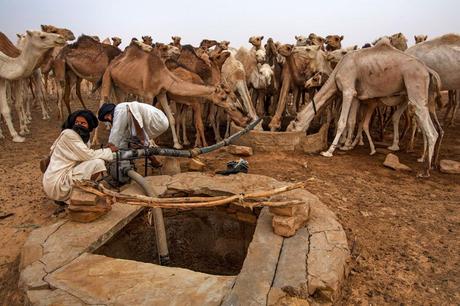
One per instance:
(240, 150)
(450, 166)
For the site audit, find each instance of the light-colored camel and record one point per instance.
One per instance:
(301, 64)
(176, 41)
(35, 45)
(420, 38)
(106, 41)
(144, 73)
(260, 81)
(333, 42)
(316, 40)
(301, 41)
(376, 72)
(256, 42)
(116, 41)
(398, 40)
(335, 56)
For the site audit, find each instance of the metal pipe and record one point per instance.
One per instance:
(160, 232)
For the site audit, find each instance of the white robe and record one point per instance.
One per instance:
(151, 120)
(71, 160)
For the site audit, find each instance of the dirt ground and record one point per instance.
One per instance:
(403, 231)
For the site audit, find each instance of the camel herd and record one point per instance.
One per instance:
(314, 80)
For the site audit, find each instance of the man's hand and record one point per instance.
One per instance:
(112, 147)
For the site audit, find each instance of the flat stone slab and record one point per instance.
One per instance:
(97, 279)
(57, 267)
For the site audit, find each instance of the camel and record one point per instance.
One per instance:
(260, 81)
(256, 42)
(147, 40)
(420, 38)
(106, 41)
(442, 54)
(335, 56)
(333, 42)
(398, 40)
(176, 41)
(116, 41)
(316, 40)
(381, 71)
(143, 73)
(35, 45)
(301, 64)
(301, 41)
(85, 59)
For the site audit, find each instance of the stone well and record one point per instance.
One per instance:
(266, 141)
(59, 264)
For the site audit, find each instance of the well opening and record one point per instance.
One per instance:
(209, 240)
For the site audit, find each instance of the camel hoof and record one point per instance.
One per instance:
(18, 138)
(361, 143)
(345, 148)
(177, 146)
(326, 154)
(186, 143)
(372, 153)
(420, 160)
(393, 148)
(46, 117)
(423, 174)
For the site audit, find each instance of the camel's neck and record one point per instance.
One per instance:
(305, 116)
(180, 87)
(23, 65)
(296, 77)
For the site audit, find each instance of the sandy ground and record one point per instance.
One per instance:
(403, 231)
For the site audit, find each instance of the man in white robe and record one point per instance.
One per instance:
(72, 159)
(133, 119)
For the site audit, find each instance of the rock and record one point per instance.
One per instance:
(81, 197)
(97, 279)
(254, 281)
(171, 166)
(392, 161)
(196, 165)
(285, 225)
(450, 166)
(240, 150)
(52, 297)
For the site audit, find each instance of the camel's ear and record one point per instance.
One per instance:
(43, 27)
(399, 34)
(341, 37)
(329, 36)
(261, 37)
(296, 37)
(18, 35)
(415, 37)
(355, 47)
(29, 33)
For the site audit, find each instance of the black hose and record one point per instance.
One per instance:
(132, 154)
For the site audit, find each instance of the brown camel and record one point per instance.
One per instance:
(256, 42)
(301, 64)
(147, 40)
(333, 42)
(85, 59)
(382, 71)
(116, 41)
(143, 73)
(176, 41)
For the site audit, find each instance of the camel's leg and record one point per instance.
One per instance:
(17, 92)
(417, 99)
(396, 118)
(200, 140)
(371, 106)
(275, 123)
(40, 92)
(227, 129)
(422, 158)
(351, 123)
(172, 122)
(6, 113)
(246, 97)
(213, 120)
(78, 90)
(413, 132)
(450, 104)
(346, 105)
(455, 106)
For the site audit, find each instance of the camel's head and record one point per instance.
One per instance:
(366, 45)
(96, 38)
(207, 43)
(399, 41)
(225, 98)
(219, 58)
(316, 40)
(43, 40)
(116, 41)
(261, 56)
(316, 81)
(256, 41)
(334, 57)
(420, 38)
(144, 47)
(176, 40)
(147, 40)
(167, 51)
(65, 33)
(301, 40)
(223, 45)
(285, 50)
(333, 42)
